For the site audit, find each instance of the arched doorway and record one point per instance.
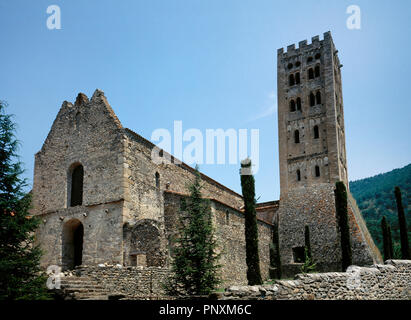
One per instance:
(72, 251)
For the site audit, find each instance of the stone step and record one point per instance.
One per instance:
(86, 290)
(78, 285)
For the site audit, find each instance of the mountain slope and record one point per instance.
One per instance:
(375, 197)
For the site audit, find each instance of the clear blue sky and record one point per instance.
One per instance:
(211, 64)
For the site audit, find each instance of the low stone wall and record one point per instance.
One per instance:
(131, 282)
(378, 282)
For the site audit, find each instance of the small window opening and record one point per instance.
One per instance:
(317, 56)
(157, 180)
(297, 78)
(316, 132)
(312, 100)
(297, 136)
(317, 171)
(310, 73)
(292, 105)
(299, 104)
(317, 71)
(291, 80)
(318, 97)
(298, 175)
(299, 254)
(290, 65)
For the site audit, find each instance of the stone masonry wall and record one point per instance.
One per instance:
(229, 231)
(132, 282)
(315, 206)
(391, 281)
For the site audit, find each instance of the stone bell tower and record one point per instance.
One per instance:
(310, 115)
(313, 157)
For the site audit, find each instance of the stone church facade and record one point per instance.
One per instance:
(102, 199)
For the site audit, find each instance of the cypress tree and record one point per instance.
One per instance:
(385, 239)
(343, 224)
(390, 245)
(251, 229)
(307, 241)
(194, 268)
(405, 250)
(275, 257)
(20, 273)
(309, 265)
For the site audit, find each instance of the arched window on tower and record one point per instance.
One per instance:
(316, 132)
(297, 78)
(297, 136)
(76, 186)
(299, 104)
(292, 105)
(291, 80)
(298, 175)
(318, 97)
(317, 71)
(310, 73)
(312, 99)
(317, 171)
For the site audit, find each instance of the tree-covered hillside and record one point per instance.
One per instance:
(375, 197)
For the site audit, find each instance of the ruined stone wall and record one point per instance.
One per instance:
(229, 231)
(132, 282)
(391, 281)
(315, 206)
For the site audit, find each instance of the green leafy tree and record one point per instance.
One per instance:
(20, 273)
(386, 239)
(195, 269)
(343, 225)
(251, 228)
(275, 257)
(405, 250)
